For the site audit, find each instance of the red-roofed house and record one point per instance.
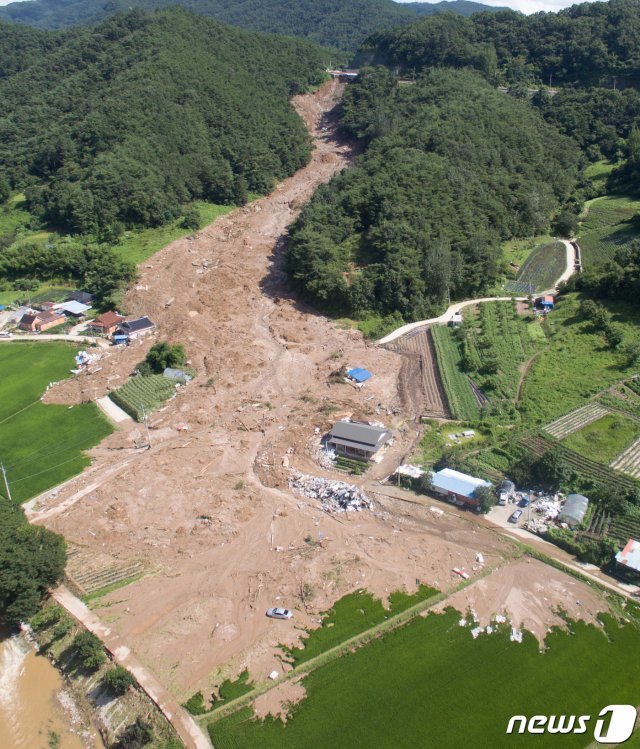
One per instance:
(106, 323)
(38, 322)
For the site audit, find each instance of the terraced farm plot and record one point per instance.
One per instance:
(575, 420)
(404, 690)
(607, 228)
(141, 395)
(629, 461)
(541, 270)
(604, 439)
(462, 402)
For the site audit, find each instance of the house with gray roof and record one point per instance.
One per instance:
(357, 440)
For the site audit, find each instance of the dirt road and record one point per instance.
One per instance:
(208, 506)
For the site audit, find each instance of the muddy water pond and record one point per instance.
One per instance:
(36, 711)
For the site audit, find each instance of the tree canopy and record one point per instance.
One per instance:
(585, 44)
(335, 23)
(32, 560)
(451, 168)
(123, 123)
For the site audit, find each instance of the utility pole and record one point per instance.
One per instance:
(146, 425)
(6, 483)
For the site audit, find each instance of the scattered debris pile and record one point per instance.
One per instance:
(334, 495)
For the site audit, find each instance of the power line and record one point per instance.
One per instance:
(6, 483)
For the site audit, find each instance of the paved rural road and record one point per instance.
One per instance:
(44, 337)
(187, 729)
(446, 316)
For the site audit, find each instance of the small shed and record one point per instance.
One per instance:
(544, 303)
(359, 375)
(457, 487)
(456, 320)
(573, 510)
(629, 557)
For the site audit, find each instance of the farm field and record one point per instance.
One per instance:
(575, 420)
(427, 665)
(598, 173)
(576, 364)
(604, 439)
(607, 227)
(41, 445)
(462, 402)
(436, 438)
(140, 395)
(541, 269)
(629, 461)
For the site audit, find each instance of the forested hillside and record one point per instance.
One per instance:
(121, 124)
(452, 168)
(585, 44)
(335, 23)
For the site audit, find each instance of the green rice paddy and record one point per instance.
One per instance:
(41, 445)
(430, 684)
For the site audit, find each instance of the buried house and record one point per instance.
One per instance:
(355, 440)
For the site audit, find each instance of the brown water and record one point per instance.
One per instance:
(31, 715)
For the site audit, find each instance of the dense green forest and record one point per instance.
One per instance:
(452, 167)
(121, 124)
(335, 23)
(587, 44)
(32, 560)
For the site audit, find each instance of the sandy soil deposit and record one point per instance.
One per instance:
(209, 509)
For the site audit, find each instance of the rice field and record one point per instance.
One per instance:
(430, 684)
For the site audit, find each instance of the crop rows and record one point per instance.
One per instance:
(541, 269)
(629, 460)
(421, 343)
(622, 529)
(597, 472)
(462, 401)
(575, 420)
(141, 395)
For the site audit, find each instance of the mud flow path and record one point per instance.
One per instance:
(207, 509)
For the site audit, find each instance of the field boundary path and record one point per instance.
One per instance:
(185, 726)
(569, 270)
(112, 411)
(81, 340)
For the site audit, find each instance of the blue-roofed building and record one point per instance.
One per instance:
(357, 374)
(457, 487)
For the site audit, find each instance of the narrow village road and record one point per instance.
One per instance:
(446, 316)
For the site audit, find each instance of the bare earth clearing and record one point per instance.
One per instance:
(208, 510)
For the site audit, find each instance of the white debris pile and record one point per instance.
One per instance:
(548, 506)
(334, 495)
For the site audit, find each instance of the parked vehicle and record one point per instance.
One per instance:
(5, 334)
(277, 613)
(515, 516)
(524, 502)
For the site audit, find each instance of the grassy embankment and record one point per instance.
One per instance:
(430, 683)
(135, 246)
(42, 445)
(604, 439)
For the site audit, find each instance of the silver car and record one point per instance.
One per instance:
(276, 613)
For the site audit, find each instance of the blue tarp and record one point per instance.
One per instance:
(359, 375)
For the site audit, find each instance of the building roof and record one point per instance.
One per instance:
(360, 435)
(630, 555)
(140, 323)
(107, 320)
(454, 481)
(29, 318)
(574, 509)
(359, 375)
(73, 307)
(49, 316)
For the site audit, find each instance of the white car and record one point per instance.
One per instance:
(5, 334)
(276, 613)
